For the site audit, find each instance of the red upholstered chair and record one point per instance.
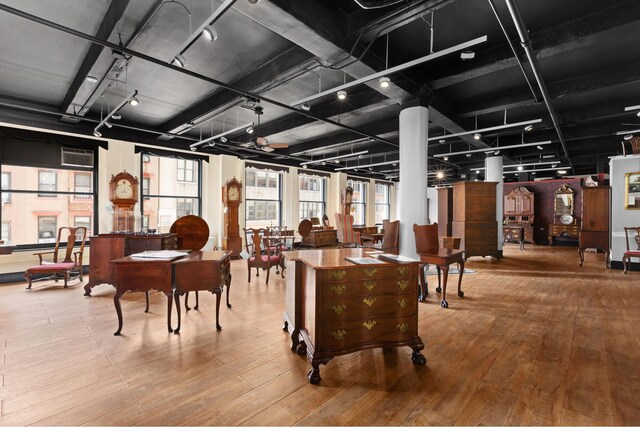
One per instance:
(631, 233)
(260, 256)
(59, 267)
(344, 227)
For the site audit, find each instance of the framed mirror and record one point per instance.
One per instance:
(632, 190)
(564, 204)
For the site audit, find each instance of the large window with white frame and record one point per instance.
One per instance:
(312, 196)
(383, 204)
(358, 201)
(263, 198)
(171, 189)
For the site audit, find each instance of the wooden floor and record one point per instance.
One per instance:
(536, 340)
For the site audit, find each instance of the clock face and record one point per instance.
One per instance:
(233, 193)
(124, 189)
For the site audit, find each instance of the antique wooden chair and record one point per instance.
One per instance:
(429, 251)
(325, 221)
(346, 235)
(260, 256)
(390, 240)
(634, 234)
(61, 267)
(304, 229)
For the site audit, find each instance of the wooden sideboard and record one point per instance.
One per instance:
(107, 247)
(595, 221)
(474, 217)
(335, 307)
(319, 238)
(570, 231)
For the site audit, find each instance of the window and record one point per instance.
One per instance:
(47, 182)
(71, 195)
(358, 202)
(170, 188)
(82, 221)
(383, 205)
(6, 184)
(47, 228)
(263, 198)
(312, 196)
(186, 170)
(6, 231)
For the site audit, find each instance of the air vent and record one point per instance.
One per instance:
(75, 157)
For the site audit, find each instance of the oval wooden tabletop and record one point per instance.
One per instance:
(192, 232)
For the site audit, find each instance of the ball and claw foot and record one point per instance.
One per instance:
(301, 349)
(421, 298)
(460, 294)
(439, 289)
(418, 359)
(285, 326)
(444, 304)
(314, 376)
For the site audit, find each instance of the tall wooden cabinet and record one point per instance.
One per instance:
(445, 211)
(519, 209)
(595, 221)
(474, 217)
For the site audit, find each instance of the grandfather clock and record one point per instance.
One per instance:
(123, 193)
(346, 201)
(231, 198)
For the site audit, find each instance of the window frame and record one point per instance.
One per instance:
(47, 193)
(388, 201)
(323, 183)
(363, 203)
(267, 180)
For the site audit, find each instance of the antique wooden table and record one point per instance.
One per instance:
(336, 307)
(373, 237)
(442, 259)
(195, 271)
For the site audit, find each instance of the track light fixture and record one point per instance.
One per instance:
(477, 136)
(519, 168)
(250, 130)
(539, 147)
(482, 150)
(562, 172)
(305, 106)
(211, 143)
(134, 101)
(341, 156)
(179, 61)
(468, 154)
(97, 134)
(116, 116)
(445, 158)
(108, 125)
(467, 55)
(484, 130)
(92, 79)
(628, 136)
(304, 166)
(384, 82)
(114, 113)
(342, 95)
(222, 135)
(253, 1)
(528, 128)
(209, 33)
(223, 139)
(439, 175)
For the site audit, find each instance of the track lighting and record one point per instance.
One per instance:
(210, 34)
(477, 172)
(539, 147)
(304, 166)
(519, 168)
(489, 129)
(445, 158)
(336, 161)
(223, 139)
(342, 95)
(341, 156)
(108, 125)
(528, 128)
(384, 82)
(221, 136)
(467, 55)
(179, 61)
(496, 152)
(477, 136)
(503, 147)
(134, 101)
(468, 154)
(440, 175)
(92, 79)
(305, 106)
(253, 1)
(193, 148)
(638, 114)
(562, 172)
(250, 130)
(211, 143)
(116, 116)
(97, 134)
(628, 136)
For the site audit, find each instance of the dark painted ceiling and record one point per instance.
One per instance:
(281, 51)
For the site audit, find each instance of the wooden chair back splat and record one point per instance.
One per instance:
(633, 250)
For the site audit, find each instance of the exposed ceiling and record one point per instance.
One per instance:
(275, 53)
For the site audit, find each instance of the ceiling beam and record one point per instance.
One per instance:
(558, 40)
(109, 21)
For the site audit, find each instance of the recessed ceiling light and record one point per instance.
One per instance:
(92, 79)
(342, 95)
(179, 61)
(528, 128)
(476, 136)
(210, 33)
(384, 82)
(628, 136)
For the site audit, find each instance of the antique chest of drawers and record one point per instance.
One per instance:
(335, 307)
(561, 230)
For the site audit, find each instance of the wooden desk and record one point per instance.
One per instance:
(561, 230)
(107, 247)
(202, 271)
(335, 307)
(514, 233)
(196, 271)
(442, 259)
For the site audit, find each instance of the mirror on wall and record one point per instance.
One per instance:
(632, 190)
(564, 204)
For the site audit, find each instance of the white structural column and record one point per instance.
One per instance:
(412, 189)
(493, 168)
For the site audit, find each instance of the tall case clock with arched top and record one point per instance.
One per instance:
(123, 193)
(231, 198)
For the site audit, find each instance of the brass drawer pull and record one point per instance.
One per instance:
(339, 334)
(339, 289)
(338, 308)
(404, 270)
(338, 274)
(403, 284)
(369, 324)
(369, 300)
(370, 271)
(402, 302)
(369, 284)
(403, 327)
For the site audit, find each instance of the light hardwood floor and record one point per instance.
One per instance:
(536, 340)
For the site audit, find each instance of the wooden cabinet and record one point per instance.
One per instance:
(334, 307)
(571, 231)
(107, 247)
(474, 218)
(319, 238)
(519, 211)
(445, 211)
(594, 232)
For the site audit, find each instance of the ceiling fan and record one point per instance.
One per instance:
(260, 142)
